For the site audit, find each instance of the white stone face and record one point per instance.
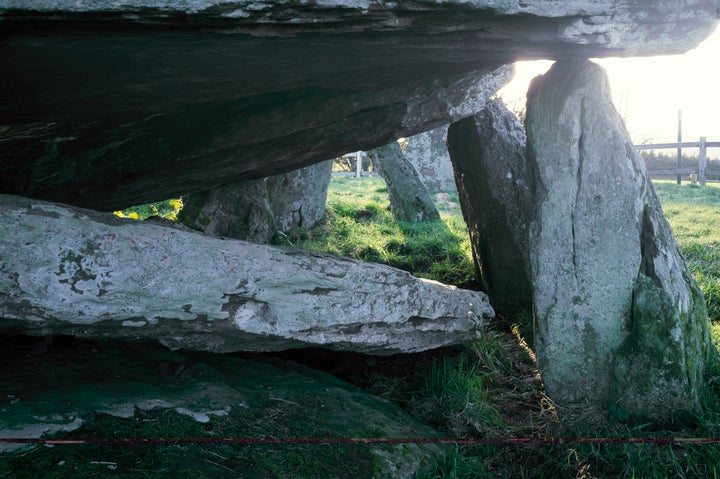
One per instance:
(92, 274)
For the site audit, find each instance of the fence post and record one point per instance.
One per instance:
(358, 164)
(702, 163)
(679, 148)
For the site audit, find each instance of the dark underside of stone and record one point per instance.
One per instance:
(106, 110)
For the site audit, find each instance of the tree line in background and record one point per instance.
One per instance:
(663, 161)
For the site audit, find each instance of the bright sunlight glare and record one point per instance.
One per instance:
(649, 91)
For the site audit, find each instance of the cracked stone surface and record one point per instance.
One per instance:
(65, 270)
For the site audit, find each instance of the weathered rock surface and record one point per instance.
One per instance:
(428, 153)
(156, 395)
(239, 210)
(298, 198)
(106, 104)
(620, 322)
(409, 199)
(256, 210)
(488, 155)
(69, 271)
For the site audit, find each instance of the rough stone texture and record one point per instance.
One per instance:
(156, 393)
(298, 198)
(112, 103)
(428, 153)
(256, 210)
(488, 155)
(64, 270)
(240, 211)
(409, 199)
(620, 322)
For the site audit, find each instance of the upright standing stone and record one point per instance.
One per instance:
(428, 153)
(238, 210)
(255, 210)
(620, 321)
(297, 198)
(409, 199)
(488, 156)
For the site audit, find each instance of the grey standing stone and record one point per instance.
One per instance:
(409, 199)
(239, 210)
(298, 198)
(488, 156)
(428, 153)
(256, 210)
(620, 321)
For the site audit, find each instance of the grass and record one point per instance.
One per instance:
(167, 209)
(359, 225)
(694, 214)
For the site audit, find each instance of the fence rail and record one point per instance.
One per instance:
(703, 145)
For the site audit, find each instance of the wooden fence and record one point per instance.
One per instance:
(703, 145)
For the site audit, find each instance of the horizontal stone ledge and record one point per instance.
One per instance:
(66, 270)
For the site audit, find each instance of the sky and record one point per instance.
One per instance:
(649, 91)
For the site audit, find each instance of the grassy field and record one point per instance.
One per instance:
(360, 225)
(694, 214)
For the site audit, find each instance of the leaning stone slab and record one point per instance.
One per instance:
(208, 412)
(620, 321)
(490, 164)
(65, 270)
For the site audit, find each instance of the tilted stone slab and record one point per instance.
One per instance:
(488, 156)
(65, 270)
(620, 321)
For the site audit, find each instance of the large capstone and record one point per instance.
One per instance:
(409, 198)
(488, 155)
(621, 323)
(65, 270)
(106, 104)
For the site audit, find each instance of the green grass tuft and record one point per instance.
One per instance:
(456, 399)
